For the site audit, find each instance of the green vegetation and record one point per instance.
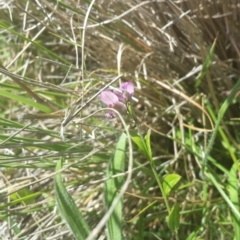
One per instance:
(166, 169)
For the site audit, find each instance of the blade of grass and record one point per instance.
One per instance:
(223, 194)
(34, 43)
(112, 187)
(25, 100)
(206, 65)
(31, 93)
(233, 195)
(221, 113)
(225, 140)
(68, 209)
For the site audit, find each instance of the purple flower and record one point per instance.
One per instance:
(128, 87)
(125, 92)
(116, 99)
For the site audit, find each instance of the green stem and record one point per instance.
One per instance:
(158, 179)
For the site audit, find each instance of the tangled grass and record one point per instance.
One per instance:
(183, 57)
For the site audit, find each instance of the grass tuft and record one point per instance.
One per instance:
(55, 59)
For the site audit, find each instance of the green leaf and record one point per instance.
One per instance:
(12, 224)
(148, 145)
(25, 196)
(143, 145)
(68, 209)
(174, 218)
(112, 187)
(21, 197)
(193, 235)
(139, 141)
(169, 181)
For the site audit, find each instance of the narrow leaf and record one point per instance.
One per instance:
(25, 100)
(233, 195)
(112, 187)
(139, 142)
(148, 145)
(174, 218)
(221, 113)
(206, 65)
(68, 209)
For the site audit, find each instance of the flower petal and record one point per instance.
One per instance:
(128, 87)
(109, 98)
(120, 94)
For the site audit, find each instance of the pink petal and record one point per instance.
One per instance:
(128, 87)
(120, 94)
(109, 98)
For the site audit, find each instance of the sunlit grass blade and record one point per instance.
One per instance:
(112, 187)
(16, 198)
(206, 65)
(68, 209)
(216, 183)
(234, 197)
(221, 113)
(25, 100)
